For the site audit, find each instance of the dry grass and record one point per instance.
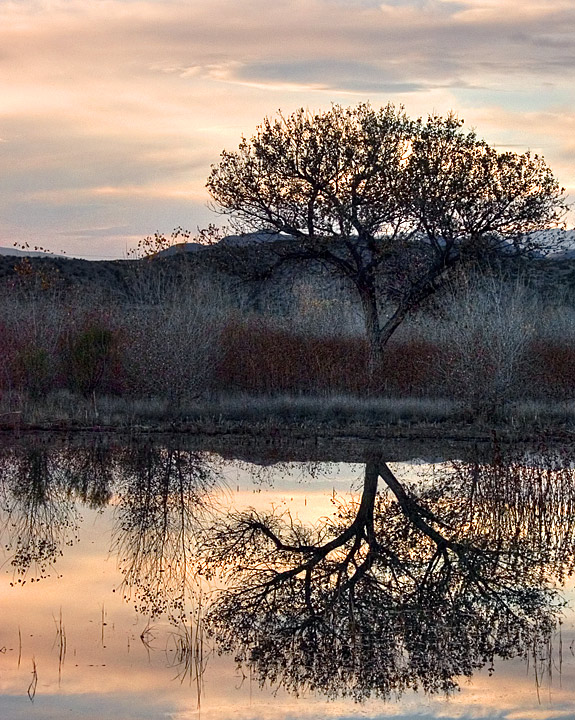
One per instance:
(490, 351)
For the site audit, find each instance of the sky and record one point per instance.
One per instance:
(112, 111)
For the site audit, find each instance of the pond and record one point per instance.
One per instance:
(152, 578)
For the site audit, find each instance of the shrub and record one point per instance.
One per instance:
(90, 358)
(551, 370)
(33, 371)
(257, 357)
(409, 367)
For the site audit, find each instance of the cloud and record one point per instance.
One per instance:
(327, 75)
(136, 39)
(119, 100)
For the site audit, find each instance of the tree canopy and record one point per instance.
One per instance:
(393, 204)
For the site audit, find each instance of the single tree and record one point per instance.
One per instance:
(392, 204)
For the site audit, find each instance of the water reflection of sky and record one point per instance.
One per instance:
(107, 671)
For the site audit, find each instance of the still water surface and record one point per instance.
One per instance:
(146, 580)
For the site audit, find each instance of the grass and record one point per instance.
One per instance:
(290, 416)
(335, 409)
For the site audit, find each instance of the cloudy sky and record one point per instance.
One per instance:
(112, 111)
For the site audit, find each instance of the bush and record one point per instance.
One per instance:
(257, 357)
(90, 359)
(551, 371)
(169, 349)
(409, 367)
(33, 371)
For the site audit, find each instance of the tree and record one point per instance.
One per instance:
(394, 205)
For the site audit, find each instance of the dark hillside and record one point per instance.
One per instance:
(253, 267)
(109, 277)
(247, 269)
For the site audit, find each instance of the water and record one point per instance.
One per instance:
(151, 580)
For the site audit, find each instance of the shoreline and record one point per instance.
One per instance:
(278, 429)
(284, 419)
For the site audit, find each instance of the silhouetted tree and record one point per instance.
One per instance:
(391, 204)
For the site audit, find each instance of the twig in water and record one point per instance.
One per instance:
(34, 682)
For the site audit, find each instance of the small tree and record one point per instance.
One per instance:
(392, 204)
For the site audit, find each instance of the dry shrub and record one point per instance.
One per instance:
(551, 369)
(28, 349)
(170, 346)
(484, 333)
(489, 343)
(409, 367)
(90, 356)
(7, 348)
(33, 370)
(166, 355)
(256, 357)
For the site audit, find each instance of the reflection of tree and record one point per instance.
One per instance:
(90, 471)
(401, 589)
(265, 473)
(162, 497)
(40, 483)
(39, 516)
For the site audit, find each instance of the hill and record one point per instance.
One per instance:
(245, 262)
(14, 252)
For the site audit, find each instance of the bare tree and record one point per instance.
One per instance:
(392, 204)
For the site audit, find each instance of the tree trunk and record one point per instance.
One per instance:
(372, 327)
(391, 325)
(378, 336)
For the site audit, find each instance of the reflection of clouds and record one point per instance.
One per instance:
(514, 698)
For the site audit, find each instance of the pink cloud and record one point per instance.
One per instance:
(142, 96)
